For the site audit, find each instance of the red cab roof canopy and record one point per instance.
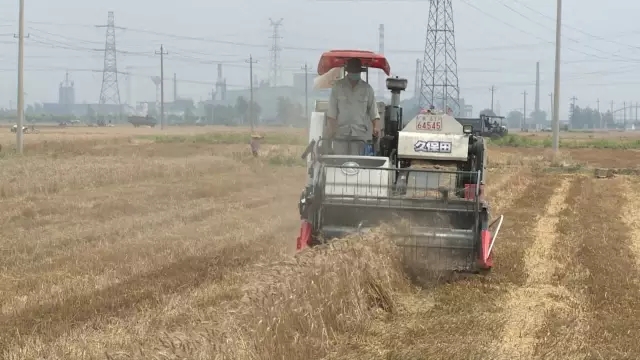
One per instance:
(338, 58)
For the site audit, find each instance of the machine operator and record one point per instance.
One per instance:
(353, 112)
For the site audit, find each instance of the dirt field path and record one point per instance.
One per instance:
(460, 320)
(602, 316)
(526, 306)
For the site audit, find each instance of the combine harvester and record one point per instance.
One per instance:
(425, 178)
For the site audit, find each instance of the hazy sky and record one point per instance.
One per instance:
(498, 43)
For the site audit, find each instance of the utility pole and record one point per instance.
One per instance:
(599, 114)
(556, 82)
(19, 143)
(162, 53)
(251, 105)
(213, 105)
(129, 92)
(624, 114)
(306, 91)
(524, 111)
(493, 90)
(613, 118)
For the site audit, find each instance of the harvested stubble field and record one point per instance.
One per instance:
(128, 244)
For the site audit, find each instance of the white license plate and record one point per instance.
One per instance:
(430, 124)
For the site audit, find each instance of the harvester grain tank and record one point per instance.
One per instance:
(425, 178)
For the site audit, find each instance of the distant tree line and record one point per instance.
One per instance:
(289, 112)
(588, 118)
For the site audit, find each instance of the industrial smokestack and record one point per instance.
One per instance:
(537, 103)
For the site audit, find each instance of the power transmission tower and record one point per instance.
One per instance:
(306, 91)
(275, 52)
(20, 122)
(524, 111)
(162, 53)
(439, 82)
(613, 118)
(573, 108)
(251, 104)
(110, 91)
(493, 90)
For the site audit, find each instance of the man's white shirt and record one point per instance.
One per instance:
(354, 107)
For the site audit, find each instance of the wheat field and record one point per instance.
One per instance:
(122, 243)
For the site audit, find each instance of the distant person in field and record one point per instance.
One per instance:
(353, 112)
(255, 144)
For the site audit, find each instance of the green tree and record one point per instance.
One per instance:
(514, 119)
(220, 114)
(256, 110)
(189, 116)
(284, 110)
(241, 108)
(289, 112)
(585, 118)
(608, 121)
(487, 112)
(91, 113)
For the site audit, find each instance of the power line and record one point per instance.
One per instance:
(203, 61)
(546, 27)
(466, 2)
(202, 82)
(310, 49)
(577, 29)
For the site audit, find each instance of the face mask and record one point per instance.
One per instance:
(353, 76)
